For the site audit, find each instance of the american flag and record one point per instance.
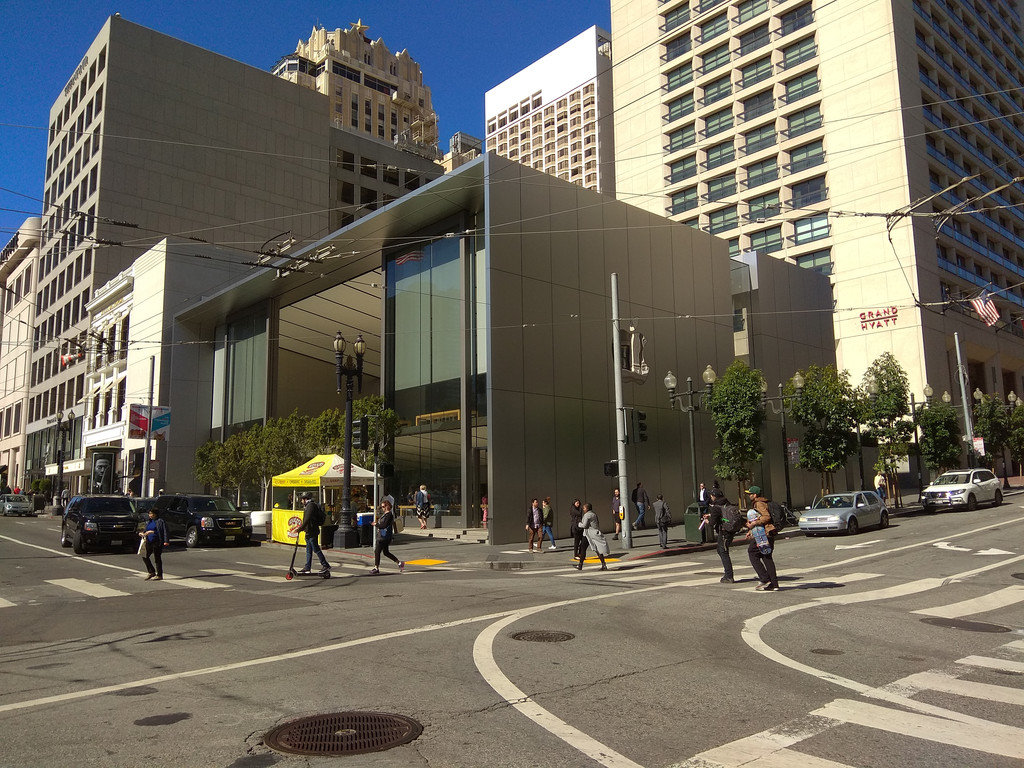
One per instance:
(410, 256)
(986, 309)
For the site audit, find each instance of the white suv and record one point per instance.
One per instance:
(964, 488)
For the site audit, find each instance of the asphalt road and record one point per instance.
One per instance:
(902, 647)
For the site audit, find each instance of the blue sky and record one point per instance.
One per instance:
(463, 47)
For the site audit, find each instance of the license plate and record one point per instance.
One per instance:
(229, 538)
(115, 542)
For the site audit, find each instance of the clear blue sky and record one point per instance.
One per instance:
(463, 47)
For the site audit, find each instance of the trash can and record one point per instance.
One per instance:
(691, 522)
(364, 523)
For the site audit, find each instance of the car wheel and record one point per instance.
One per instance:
(78, 544)
(852, 527)
(64, 540)
(883, 521)
(192, 537)
(972, 503)
(998, 498)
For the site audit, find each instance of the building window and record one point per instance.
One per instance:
(803, 86)
(810, 229)
(759, 138)
(679, 77)
(819, 261)
(678, 47)
(720, 154)
(680, 107)
(756, 72)
(718, 122)
(796, 19)
(685, 200)
(754, 39)
(722, 220)
(715, 58)
(809, 192)
(807, 156)
(734, 247)
(759, 104)
(763, 207)
(763, 172)
(751, 8)
(682, 169)
(721, 187)
(714, 27)
(677, 18)
(718, 89)
(684, 137)
(767, 240)
(799, 53)
(804, 121)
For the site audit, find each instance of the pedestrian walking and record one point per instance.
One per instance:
(641, 501)
(312, 518)
(575, 518)
(663, 519)
(617, 513)
(483, 508)
(385, 523)
(533, 525)
(761, 552)
(703, 502)
(592, 537)
(880, 486)
(547, 517)
(422, 502)
(155, 538)
(726, 520)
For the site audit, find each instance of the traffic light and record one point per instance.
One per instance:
(361, 434)
(641, 426)
(611, 468)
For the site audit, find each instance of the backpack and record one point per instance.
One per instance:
(732, 519)
(319, 517)
(778, 513)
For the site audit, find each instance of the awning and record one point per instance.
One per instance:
(325, 471)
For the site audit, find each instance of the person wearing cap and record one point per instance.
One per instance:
(725, 519)
(762, 562)
(312, 518)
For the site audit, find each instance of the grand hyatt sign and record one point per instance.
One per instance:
(876, 319)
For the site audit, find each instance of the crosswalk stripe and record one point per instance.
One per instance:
(191, 583)
(243, 574)
(6, 603)
(993, 738)
(1003, 665)
(752, 750)
(946, 683)
(989, 602)
(634, 573)
(87, 588)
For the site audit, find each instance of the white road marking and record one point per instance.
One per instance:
(986, 662)
(87, 588)
(988, 602)
(620, 573)
(768, 749)
(188, 581)
(993, 552)
(947, 683)
(858, 545)
(6, 603)
(981, 736)
(243, 574)
(950, 547)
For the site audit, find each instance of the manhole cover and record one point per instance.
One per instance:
(343, 733)
(542, 636)
(969, 626)
(827, 651)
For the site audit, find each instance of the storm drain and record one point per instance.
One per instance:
(969, 626)
(343, 733)
(542, 636)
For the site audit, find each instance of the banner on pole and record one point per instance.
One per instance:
(138, 422)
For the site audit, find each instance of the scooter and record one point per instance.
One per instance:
(292, 573)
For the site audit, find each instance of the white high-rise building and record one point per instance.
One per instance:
(556, 114)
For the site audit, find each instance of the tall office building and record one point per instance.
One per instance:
(372, 91)
(153, 137)
(836, 135)
(556, 115)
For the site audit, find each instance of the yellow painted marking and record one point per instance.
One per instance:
(425, 561)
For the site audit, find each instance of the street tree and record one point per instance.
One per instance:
(885, 414)
(1015, 438)
(827, 409)
(208, 465)
(941, 443)
(737, 410)
(236, 463)
(325, 432)
(991, 422)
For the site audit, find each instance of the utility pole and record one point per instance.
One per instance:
(620, 417)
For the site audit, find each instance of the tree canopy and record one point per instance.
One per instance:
(737, 409)
(828, 410)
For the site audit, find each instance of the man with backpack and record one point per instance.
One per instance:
(762, 561)
(725, 519)
(312, 518)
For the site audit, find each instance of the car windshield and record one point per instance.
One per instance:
(13, 499)
(106, 506)
(835, 501)
(953, 478)
(214, 504)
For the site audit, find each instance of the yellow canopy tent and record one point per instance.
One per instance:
(326, 471)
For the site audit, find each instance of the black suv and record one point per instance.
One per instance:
(202, 519)
(99, 521)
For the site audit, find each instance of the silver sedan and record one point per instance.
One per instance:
(847, 512)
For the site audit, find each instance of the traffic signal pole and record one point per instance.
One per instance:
(620, 417)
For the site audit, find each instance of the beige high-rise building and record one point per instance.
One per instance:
(372, 91)
(556, 114)
(833, 135)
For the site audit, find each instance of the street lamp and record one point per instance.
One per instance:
(63, 425)
(928, 393)
(783, 401)
(872, 389)
(347, 536)
(689, 407)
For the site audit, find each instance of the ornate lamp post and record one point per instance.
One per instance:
(347, 536)
(63, 425)
(928, 393)
(693, 403)
(784, 401)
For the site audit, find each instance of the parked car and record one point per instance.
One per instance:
(99, 521)
(844, 512)
(143, 505)
(963, 489)
(16, 504)
(202, 519)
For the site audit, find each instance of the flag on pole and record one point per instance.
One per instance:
(986, 309)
